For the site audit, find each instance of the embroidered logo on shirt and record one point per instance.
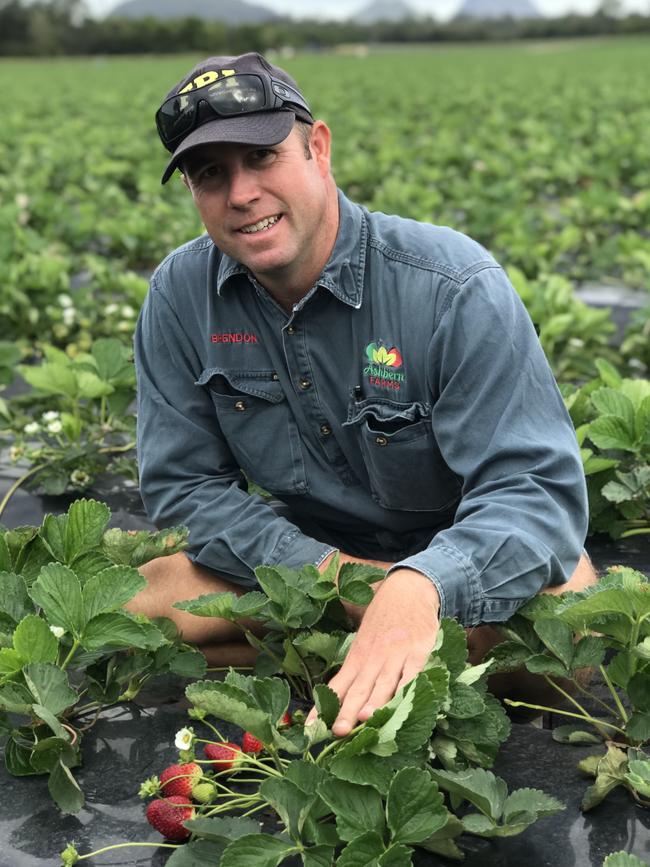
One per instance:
(384, 362)
(234, 337)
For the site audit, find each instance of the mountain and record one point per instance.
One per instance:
(383, 10)
(498, 9)
(228, 11)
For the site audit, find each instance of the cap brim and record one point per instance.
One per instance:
(265, 128)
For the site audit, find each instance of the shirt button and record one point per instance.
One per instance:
(240, 406)
(304, 384)
(326, 430)
(291, 329)
(274, 377)
(381, 441)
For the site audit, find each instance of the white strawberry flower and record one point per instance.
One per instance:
(183, 739)
(68, 315)
(51, 415)
(111, 309)
(79, 478)
(32, 428)
(127, 311)
(55, 427)
(64, 300)
(57, 631)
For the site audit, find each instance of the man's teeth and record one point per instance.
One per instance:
(263, 224)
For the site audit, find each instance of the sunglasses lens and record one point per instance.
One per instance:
(237, 94)
(175, 117)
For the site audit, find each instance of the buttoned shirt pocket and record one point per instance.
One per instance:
(257, 422)
(405, 467)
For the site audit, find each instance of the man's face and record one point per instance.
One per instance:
(271, 208)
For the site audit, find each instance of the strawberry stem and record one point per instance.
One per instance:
(123, 846)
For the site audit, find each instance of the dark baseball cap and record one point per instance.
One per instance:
(259, 104)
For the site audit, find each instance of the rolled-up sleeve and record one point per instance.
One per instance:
(502, 428)
(188, 474)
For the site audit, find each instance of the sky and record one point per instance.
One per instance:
(439, 8)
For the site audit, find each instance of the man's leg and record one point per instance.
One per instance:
(175, 578)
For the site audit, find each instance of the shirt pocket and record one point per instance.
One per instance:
(405, 468)
(255, 418)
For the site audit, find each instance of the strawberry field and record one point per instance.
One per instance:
(540, 152)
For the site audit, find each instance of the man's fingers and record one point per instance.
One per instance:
(369, 691)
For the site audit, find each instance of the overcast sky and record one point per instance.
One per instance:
(438, 8)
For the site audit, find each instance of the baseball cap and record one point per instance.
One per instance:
(236, 99)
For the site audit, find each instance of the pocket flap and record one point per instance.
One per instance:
(258, 383)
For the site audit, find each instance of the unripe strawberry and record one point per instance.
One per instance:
(203, 793)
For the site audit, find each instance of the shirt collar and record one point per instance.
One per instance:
(344, 272)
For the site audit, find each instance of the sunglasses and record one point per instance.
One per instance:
(226, 97)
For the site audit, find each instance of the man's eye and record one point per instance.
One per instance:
(263, 155)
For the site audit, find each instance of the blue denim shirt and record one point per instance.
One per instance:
(404, 411)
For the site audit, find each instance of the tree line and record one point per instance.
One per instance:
(62, 27)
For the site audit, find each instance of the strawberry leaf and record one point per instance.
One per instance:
(111, 589)
(231, 704)
(257, 850)
(221, 829)
(58, 592)
(14, 600)
(34, 642)
(289, 802)
(49, 686)
(476, 785)
(327, 703)
(557, 636)
(414, 807)
(364, 851)
(64, 789)
(357, 808)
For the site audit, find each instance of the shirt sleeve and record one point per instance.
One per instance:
(502, 427)
(188, 474)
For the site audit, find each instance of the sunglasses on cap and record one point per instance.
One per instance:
(229, 96)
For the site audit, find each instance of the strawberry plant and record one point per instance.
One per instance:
(67, 647)
(306, 629)
(399, 780)
(604, 630)
(75, 422)
(612, 419)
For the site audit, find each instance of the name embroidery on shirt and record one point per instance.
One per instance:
(234, 337)
(385, 360)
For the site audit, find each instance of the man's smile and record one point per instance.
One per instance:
(261, 225)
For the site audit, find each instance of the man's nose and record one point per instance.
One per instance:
(243, 188)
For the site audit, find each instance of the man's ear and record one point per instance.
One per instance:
(185, 181)
(320, 145)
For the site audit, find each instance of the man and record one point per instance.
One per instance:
(378, 376)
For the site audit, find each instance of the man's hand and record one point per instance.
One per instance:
(396, 635)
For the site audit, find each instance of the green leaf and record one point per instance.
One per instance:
(188, 663)
(610, 432)
(50, 720)
(430, 693)
(557, 636)
(34, 641)
(623, 859)
(50, 378)
(318, 856)
(610, 773)
(453, 649)
(231, 704)
(257, 850)
(325, 645)
(18, 758)
(49, 686)
(608, 373)
(356, 592)
(357, 808)
(540, 663)
(466, 702)
(589, 652)
(58, 592)
(508, 656)
(414, 807)
(14, 600)
(638, 727)
(15, 698)
(87, 520)
(197, 853)
(375, 771)
(119, 630)
(530, 801)
(91, 386)
(5, 556)
(134, 548)
(222, 829)
(288, 801)
(573, 734)
(210, 605)
(111, 589)
(64, 789)
(611, 401)
(364, 851)
(476, 785)
(396, 855)
(638, 690)
(327, 703)
(11, 662)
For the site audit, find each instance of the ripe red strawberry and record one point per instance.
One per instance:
(167, 815)
(180, 779)
(285, 721)
(224, 756)
(251, 744)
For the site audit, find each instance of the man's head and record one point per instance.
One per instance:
(238, 100)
